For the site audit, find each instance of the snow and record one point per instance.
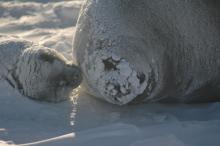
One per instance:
(84, 120)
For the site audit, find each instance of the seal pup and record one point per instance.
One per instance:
(148, 51)
(37, 72)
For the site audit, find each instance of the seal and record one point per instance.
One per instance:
(37, 72)
(148, 51)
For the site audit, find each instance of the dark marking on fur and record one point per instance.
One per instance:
(110, 64)
(17, 81)
(141, 77)
(9, 82)
(14, 81)
(151, 84)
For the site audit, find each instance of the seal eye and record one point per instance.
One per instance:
(47, 57)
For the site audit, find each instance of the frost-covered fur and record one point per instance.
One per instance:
(146, 50)
(36, 71)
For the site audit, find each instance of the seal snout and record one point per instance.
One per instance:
(74, 74)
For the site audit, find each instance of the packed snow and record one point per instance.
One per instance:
(84, 120)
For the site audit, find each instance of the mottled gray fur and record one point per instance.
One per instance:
(173, 44)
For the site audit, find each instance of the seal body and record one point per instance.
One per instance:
(36, 71)
(147, 51)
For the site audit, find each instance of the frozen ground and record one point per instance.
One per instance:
(87, 121)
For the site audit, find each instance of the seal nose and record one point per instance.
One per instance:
(74, 75)
(77, 77)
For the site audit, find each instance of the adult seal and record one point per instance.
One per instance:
(147, 51)
(37, 72)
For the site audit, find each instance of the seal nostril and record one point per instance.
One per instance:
(141, 77)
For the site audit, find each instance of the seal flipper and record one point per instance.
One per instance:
(13, 81)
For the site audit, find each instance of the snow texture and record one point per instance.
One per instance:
(84, 120)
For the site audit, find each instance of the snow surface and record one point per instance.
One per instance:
(83, 120)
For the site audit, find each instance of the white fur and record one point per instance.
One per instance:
(37, 72)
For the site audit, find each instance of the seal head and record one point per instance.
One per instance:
(44, 74)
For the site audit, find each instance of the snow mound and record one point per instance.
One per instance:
(50, 24)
